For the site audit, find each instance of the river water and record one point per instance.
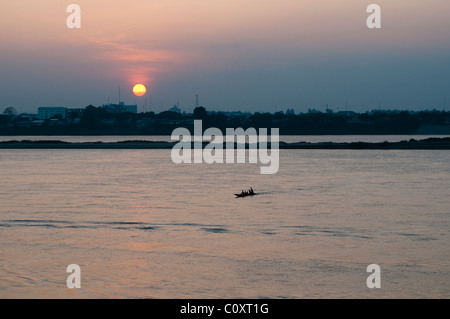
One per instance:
(140, 226)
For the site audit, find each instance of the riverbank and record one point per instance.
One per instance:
(426, 144)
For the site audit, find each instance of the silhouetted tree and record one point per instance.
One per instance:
(218, 120)
(92, 116)
(4, 120)
(200, 113)
(170, 115)
(10, 111)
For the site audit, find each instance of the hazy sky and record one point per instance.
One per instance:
(247, 55)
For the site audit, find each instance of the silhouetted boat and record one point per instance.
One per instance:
(244, 195)
(250, 192)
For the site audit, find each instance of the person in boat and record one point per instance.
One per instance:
(247, 193)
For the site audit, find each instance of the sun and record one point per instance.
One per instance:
(139, 90)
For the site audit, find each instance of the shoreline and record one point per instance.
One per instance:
(426, 144)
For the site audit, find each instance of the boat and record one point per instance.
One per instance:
(250, 192)
(244, 195)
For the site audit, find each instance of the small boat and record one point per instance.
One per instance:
(244, 195)
(250, 192)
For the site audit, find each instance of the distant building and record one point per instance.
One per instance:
(45, 113)
(120, 108)
(75, 113)
(175, 109)
(29, 116)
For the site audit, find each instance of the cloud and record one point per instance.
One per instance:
(133, 59)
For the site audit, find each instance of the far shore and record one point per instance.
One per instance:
(426, 144)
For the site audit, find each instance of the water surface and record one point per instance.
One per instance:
(140, 226)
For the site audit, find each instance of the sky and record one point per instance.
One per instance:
(237, 55)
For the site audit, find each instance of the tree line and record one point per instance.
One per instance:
(96, 120)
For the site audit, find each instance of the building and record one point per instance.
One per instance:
(75, 113)
(45, 113)
(175, 109)
(120, 108)
(30, 116)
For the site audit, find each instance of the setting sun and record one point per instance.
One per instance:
(139, 90)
